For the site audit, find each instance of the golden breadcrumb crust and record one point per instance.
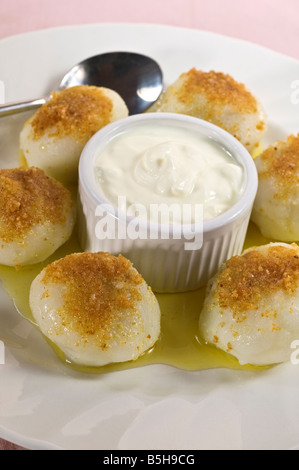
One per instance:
(247, 279)
(78, 111)
(100, 292)
(29, 197)
(281, 162)
(219, 89)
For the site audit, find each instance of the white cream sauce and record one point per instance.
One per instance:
(154, 164)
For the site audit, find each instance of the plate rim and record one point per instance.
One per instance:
(13, 436)
(53, 29)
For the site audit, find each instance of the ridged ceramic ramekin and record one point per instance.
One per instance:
(162, 258)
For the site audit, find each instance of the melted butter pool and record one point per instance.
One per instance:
(179, 344)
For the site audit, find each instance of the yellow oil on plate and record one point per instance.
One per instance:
(182, 394)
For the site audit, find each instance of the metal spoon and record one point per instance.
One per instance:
(137, 78)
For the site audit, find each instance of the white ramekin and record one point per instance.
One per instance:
(165, 264)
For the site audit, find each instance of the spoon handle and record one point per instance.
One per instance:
(18, 107)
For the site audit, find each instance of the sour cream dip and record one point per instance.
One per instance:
(155, 164)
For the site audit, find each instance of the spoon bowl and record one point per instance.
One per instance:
(137, 78)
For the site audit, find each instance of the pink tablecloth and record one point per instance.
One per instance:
(270, 23)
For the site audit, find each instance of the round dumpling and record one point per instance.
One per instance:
(54, 137)
(251, 309)
(96, 308)
(36, 216)
(276, 207)
(218, 98)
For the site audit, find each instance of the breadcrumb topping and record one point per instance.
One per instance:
(219, 89)
(101, 292)
(79, 111)
(282, 163)
(29, 197)
(256, 274)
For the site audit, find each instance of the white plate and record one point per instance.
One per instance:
(43, 404)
